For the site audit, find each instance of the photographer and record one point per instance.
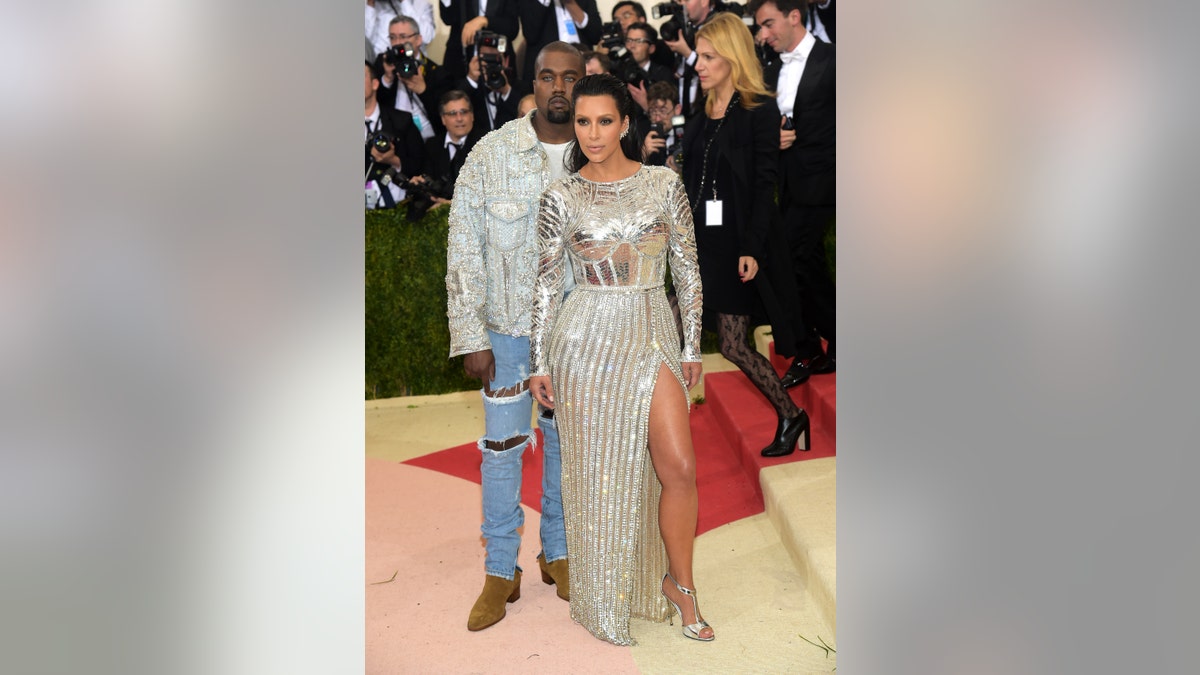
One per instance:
(635, 68)
(421, 81)
(665, 127)
(678, 33)
(379, 14)
(466, 18)
(625, 14)
(491, 83)
(445, 156)
(544, 21)
(392, 145)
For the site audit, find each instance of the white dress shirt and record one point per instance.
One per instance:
(791, 72)
(379, 16)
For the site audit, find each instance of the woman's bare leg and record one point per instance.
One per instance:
(675, 463)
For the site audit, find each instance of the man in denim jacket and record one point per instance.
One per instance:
(491, 267)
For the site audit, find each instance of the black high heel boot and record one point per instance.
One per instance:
(787, 434)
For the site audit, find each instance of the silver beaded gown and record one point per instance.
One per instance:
(602, 348)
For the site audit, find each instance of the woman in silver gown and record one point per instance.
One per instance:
(608, 360)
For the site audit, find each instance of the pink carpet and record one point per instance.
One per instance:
(423, 528)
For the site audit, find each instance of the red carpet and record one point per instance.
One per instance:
(728, 431)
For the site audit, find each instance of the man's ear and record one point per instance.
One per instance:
(678, 109)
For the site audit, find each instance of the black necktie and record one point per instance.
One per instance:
(453, 148)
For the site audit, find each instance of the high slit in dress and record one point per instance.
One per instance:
(602, 348)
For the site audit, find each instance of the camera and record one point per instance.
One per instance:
(612, 38)
(404, 57)
(628, 71)
(421, 194)
(491, 66)
(670, 30)
(677, 122)
(381, 141)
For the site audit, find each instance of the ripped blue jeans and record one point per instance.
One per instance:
(507, 417)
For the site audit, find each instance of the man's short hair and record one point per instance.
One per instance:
(605, 62)
(646, 28)
(412, 23)
(376, 73)
(562, 48)
(662, 91)
(785, 7)
(637, 9)
(454, 95)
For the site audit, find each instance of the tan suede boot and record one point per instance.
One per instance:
(490, 607)
(556, 573)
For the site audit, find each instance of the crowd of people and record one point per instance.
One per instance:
(615, 154)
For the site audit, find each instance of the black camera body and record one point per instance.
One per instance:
(611, 37)
(491, 66)
(406, 59)
(679, 22)
(430, 187)
(628, 71)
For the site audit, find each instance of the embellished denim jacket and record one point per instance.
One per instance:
(492, 250)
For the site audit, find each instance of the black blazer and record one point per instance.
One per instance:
(828, 18)
(437, 158)
(807, 168)
(409, 145)
(437, 82)
(749, 142)
(506, 110)
(539, 25)
(502, 19)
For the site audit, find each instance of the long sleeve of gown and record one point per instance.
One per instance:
(552, 269)
(685, 271)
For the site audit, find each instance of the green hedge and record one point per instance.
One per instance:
(407, 338)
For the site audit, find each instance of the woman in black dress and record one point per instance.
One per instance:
(729, 168)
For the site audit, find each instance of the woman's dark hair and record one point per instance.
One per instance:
(606, 85)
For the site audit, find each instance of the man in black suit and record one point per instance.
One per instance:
(416, 93)
(444, 156)
(639, 41)
(628, 12)
(467, 17)
(495, 104)
(404, 152)
(804, 81)
(545, 21)
(822, 19)
(696, 13)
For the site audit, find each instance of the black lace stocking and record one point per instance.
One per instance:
(731, 331)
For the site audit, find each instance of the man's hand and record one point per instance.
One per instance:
(471, 27)
(543, 392)
(639, 95)
(652, 144)
(415, 83)
(481, 365)
(473, 72)
(439, 202)
(388, 157)
(692, 373)
(747, 268)
(680, 46)
(786, 136)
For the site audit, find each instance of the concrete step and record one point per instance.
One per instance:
(801, 502)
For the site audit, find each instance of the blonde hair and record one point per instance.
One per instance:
(731, 40)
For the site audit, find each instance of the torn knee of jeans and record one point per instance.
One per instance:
(505, 394)
(502, 445)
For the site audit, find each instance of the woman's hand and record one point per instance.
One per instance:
(747, 268)
(691, 373)
(539, 386)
